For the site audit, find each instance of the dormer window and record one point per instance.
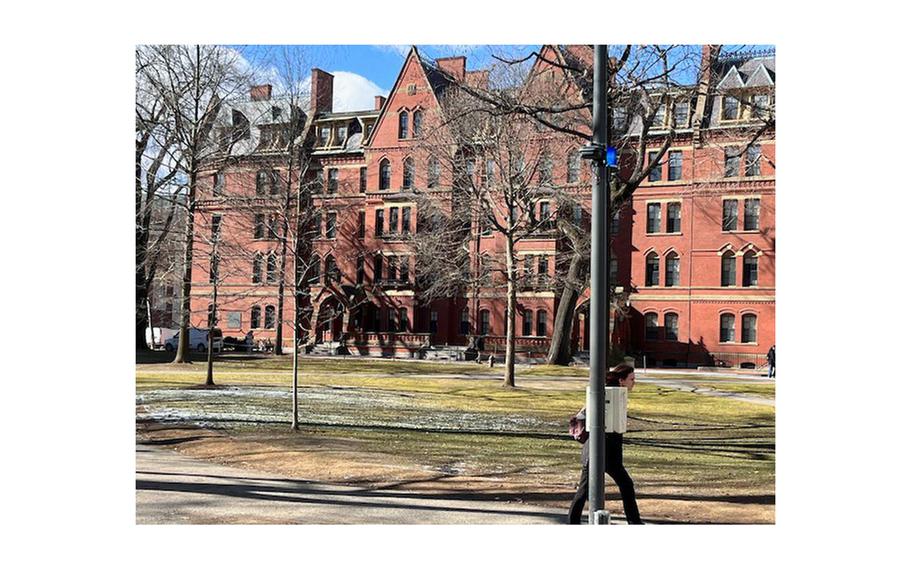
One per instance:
(681, 114)
(342, 134)
(324, 133)
(276, 113)
(403, 124)
(731, 108)
(660, 117)
(760, 106)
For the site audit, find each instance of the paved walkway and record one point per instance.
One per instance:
(175, 489)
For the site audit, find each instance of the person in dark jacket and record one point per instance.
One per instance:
(772, 361)
(621, 376)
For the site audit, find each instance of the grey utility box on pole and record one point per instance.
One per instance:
(616, 404)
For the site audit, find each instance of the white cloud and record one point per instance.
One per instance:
(354, 92)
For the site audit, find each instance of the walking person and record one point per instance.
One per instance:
(621, 376)
(772, 363)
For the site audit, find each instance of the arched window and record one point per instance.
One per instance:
(484, 322)
(271, 268)
(541, 323)
(652, 269)
(270, 317)
(652, 330)
(464, 327)
(671, 273)
(728, 269)
(314, 270)
(432, 172)
(671, 326)
(527, 321)
(331, 270)
(727, 328)
(750, 326)
(257, 268)
(385, 175)
(418, 122)
(255, 317)
(408, 178)
(403, 124)
(750, 270)
(262, 182)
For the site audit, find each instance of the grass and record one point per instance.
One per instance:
(402, 413)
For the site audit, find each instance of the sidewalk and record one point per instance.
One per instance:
(175, 489)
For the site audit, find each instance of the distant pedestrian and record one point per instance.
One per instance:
(772, 361)
(621, 376)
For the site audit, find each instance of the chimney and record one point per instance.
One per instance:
(454, 66)
(478, 79)
(709, 55)
(378, 102)
(260, 92)
(321, 92)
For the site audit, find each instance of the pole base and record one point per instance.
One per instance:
(600, 518)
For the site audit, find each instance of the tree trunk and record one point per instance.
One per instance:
(561, 343)
(279, 336)
(184, 340)
(509, 378)
(213, 320)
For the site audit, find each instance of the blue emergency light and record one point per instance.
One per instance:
(611, 157)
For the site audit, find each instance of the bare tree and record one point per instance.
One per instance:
(191, 83)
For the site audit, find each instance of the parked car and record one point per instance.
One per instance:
(199, 340)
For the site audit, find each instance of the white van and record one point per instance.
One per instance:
(199, 340)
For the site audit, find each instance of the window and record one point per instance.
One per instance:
(434, 321)
(360, 269)
(731, 162)
(391, 269)
(332, 274)
(681, 114)
(404, 269)
(727, 328)
(652, 331)
(273, 226)
(653, 225)
(675, 170)
(270, 317)
(614, 269)
(234, 320)
(324, 133)
(671, 273)
(750, 214)
(543, 270)
(660, 117)
(728, 269)
(333, 180)
(271, 268)
(255, 315)
(361, 224)
(652, 269)
(418, 122)
(318, 180)
(407, 181)
(403, 323)
(274, 184)
(393, 220)
(259, 226)
(262, 182)
(753, 160)
(377, 268)
(730, 221)
(257, 268)
(405, 220)
(217, 184)
(541, 323)
(654, 174)
(731, 108)
(546, 170)
(573, 167)
(330, 225)
(674, 217)
(314, 270)
(403, 124)
(760, 106)
(489, 172)
(620, 119)
(317, 226)
(464, 324)
(213, 269)
(216, 227)
(750, 269)
(614, 223)
(749, 328)
(484, 322)
(671, 327)
(432, 173)
(385, 175)
(545, 220)
(380, 221)
(527, 320)
(363, 180)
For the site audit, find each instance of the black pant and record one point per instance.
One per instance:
(615, 469)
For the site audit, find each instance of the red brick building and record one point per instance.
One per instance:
(694, 249)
